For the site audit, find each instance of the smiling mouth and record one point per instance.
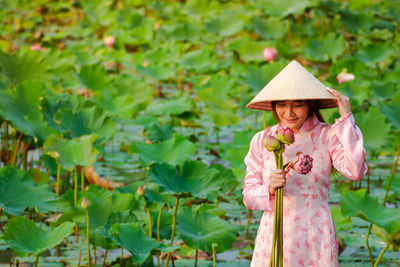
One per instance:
(291, 120)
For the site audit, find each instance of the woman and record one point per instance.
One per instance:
(309, 237)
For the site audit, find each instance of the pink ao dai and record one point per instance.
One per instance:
(309, 237)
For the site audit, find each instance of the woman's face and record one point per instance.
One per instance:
(292, 113)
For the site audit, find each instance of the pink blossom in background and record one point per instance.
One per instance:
(157, 25)
(145, 63)
(37, 47)
(109, 41)
(270, 54)
(303, 164)
(345, 77)
(141, 190)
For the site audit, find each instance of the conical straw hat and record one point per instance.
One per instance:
(294, 82)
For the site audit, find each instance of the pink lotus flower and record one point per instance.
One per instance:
(157, 25)
(37, 47)
(109, 41)
(345, 77)
(303, 163)
(270, 54)
(271, 143)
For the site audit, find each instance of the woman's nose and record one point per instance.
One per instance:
(291, 111)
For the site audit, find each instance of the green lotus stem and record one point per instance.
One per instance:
(87, 238)
(36, 260)
(382, 252)
(368, 179)
(196, 257)
(76, 186)
(248, 223)
(105, 257)
(82, 179)
(173, 229)
(179, 82)
(367, 243)
(158, 225)
(58, 180)
(214, 253)
(95, 255)
(395, 164)
(280, 244)
(150, 219)
(16, 150)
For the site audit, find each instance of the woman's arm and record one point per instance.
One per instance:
(346, 144)
(255, 192)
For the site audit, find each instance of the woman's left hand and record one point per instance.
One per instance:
(343, 102)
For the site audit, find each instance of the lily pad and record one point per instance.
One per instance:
(328, 48)
(175, 106)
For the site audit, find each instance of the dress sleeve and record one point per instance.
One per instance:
(255, 191)
(346, 148)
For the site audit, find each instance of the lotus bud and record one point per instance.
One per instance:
(85, 203)
(109, 41)
(145, 63)
(270, 54)
(157, 25)
(141, 190)
(289, 134)
(345, 77)
(271, 143)
(303, 163)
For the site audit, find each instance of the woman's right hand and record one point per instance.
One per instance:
(278, 179)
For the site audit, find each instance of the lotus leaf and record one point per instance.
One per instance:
(256, 78)
(275, 8)
(341, 222)
(132, 237)
(116, 105)
(356, 21)
(375, 130)
(23, 66)
(329, 48)
(200, 230)
(172, 151)
(19, 191)
(374, 53)
(21, 107)
(140, 91)
(202, 60)
(193, 177)
(175, 106)
(359, 203)
(73, 152)
(271, 28)
(157, 71)
(224, 26)
(94, 77)
(183, 32)
(91, 120)
(392, 111)
(252, 51)
(160, 133)
(27, 238)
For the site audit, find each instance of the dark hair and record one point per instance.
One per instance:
(313, 108)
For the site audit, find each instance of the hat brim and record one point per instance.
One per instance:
(267, 104)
